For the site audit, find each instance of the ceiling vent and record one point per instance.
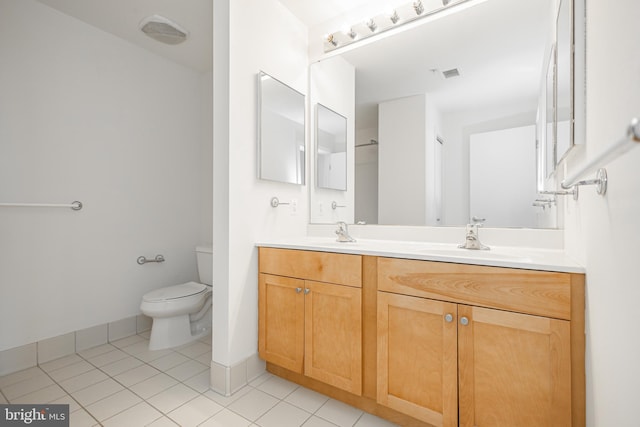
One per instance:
(451, 73)
(163, 30)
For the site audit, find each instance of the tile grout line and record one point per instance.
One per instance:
(69, 394)
(311, 414)
(198, 393)
(136, 394)
(109, 376)
(182, 382)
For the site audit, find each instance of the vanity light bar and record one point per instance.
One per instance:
(394, 19)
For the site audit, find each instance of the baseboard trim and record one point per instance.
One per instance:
(33, 354)
(226, 380)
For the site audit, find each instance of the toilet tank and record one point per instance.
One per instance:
(204, 258)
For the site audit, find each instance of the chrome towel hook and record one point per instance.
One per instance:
(275, 202)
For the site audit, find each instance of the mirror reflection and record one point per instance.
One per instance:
(446, 113)
(564, 85)
(331, 149)
(281, 131)
(549, 165)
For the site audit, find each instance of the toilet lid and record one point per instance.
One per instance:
(175, 291)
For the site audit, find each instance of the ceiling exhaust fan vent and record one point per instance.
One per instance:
(163, 30)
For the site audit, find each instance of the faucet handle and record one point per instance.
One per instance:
(472, 240)
(477, 220)
(343, 232)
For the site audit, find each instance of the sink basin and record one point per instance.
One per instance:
(440, 251)
(474, 254)
(332, 243)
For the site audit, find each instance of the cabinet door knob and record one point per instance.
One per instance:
(298, 290)
(448, 318)
(306, 291)
(464, 321)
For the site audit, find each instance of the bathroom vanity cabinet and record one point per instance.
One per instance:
(492, 346)
(310, 315)
(425, 343)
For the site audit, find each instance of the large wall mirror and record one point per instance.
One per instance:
(446, 115)
(281, 131)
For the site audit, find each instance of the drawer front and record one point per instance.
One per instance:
(534, 292)
(344, 269)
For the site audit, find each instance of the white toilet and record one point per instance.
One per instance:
(181, 313)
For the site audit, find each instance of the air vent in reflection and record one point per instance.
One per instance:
(451, 73)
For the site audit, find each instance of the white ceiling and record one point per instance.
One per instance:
(498, 47)
(496, 42)
(122, 17)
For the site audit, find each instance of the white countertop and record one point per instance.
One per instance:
(497, 256)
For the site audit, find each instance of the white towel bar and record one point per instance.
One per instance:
(620, 147)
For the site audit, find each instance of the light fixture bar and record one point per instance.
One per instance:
(397, 17)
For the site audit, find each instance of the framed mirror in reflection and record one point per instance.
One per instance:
(281, 131)
(331, 149)
(444, 100)
(564, 81)
(550, 146)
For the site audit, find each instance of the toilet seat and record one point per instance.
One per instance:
(181, 313)
(175, 292)
(175, 300)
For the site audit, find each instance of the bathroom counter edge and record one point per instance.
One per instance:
(498, 256)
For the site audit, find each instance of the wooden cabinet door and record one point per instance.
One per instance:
(281, 321)
(417, 358)
(333, 335)
(514, 369)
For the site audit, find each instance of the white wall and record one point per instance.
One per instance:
(491, 176)
(456, 130)
(366, 176)
(402, 147)
(280, 158)
(603, 231)
(206, 158)
(433, 129)
(87, 116)
(407, 129)
(268, 38)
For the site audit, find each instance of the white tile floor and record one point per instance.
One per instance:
(124, 384)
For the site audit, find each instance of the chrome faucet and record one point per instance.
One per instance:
(343, 232)
(472, 241)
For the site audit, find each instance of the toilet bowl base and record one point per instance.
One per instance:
(167, 332)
